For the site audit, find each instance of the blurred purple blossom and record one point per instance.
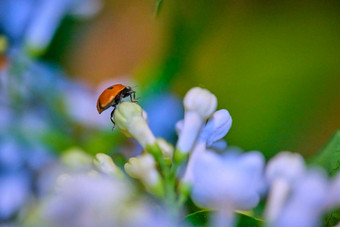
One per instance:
(11, 154)
(307, 202)
(14, 191)
(163, 110)
(87, 200)
(227, 182)
(34, 22)
(80, 103)
(237, 182)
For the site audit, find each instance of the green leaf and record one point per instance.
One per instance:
(332, 218)
(245, 220)
(329, 159)
(329, 156)
(200, 218)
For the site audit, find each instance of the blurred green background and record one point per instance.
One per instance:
(273, 64)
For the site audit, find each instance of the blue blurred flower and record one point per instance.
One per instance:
(227, 183)
(307, 202)
(237, 181)
(29, 94)
(11, 154)
(283, 171)
(80, 104)
(163, 111)
(216, 128)
(14, 191)
(96, 199)
(34, 22)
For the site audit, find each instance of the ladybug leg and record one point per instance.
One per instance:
(111, 118)
(133, 97)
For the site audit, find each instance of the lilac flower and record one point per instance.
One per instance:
(166, 105)
(227, 182)
(298, 196)
(35, 22)
(306, 203)
(92, 200)
(199, 105)
(131, 120)
(85, 200)
(76, 158)
(216, 128)
(34, 118)
(11, 155)
(14, 191)
(6, 116)
(143, 168)
(38, 156)
(79, 102)
(105, 164)
(282, 172)
(15, 20)
(236, 184)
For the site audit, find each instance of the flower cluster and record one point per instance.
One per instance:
(221, 178)
(31, 112)
(224, 180)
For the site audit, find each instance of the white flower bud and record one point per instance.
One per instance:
(143, 168)
(76, 158)
(200, 101)
(199, 106)
(190, 131)
(105, 164)
(131, 120)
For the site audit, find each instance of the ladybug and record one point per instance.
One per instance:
(112, 96)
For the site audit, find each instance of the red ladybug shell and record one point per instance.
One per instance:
(107, 98)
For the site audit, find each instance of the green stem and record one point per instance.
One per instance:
(184, 192)
(169, 184)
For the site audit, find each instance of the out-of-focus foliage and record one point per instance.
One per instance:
(329, 157)
(200, 218)
(275, 64)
